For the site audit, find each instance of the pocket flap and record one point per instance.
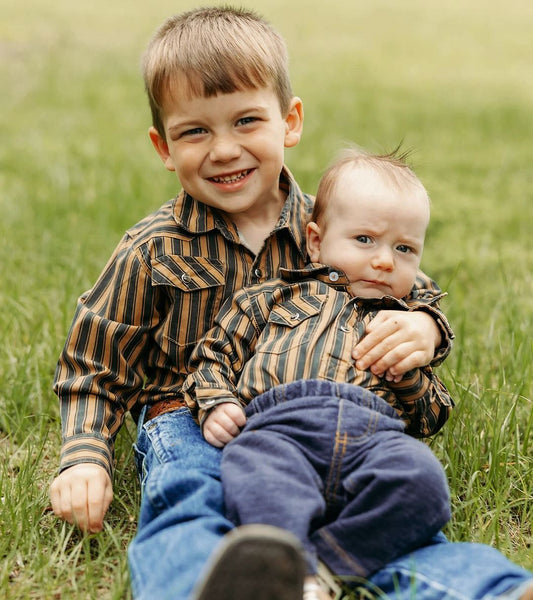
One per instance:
(187, 273)
(292, 312)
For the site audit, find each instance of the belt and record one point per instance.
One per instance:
(163, 406)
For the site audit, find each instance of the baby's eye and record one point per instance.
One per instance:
(364, 239)
(404, 248)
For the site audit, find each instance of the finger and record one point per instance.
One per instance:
(374, 336)
(78, 505)
(211, 438)
(411, 361)
(216, 434)
(237, 415)
(97, 506)
(227, 420)
(382, 355)
(390, 360)
(55, 498)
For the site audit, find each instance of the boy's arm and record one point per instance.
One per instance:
(423, 401)
(98, 377)
(396, 341)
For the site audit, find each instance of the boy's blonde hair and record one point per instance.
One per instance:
(391, 166)
(215, 50)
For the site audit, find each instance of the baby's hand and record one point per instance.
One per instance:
(82, 494)
(396, 342)
(223, 423)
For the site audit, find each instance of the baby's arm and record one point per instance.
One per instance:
(81, 495)
(223, 423)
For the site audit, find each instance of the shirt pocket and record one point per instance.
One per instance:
(291, 324)
(195, 288)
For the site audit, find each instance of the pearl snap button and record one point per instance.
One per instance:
(295, 316)
(186, 278)
(334, 276)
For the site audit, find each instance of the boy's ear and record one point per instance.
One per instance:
(313, 241)
(294, 122)
(161, 147)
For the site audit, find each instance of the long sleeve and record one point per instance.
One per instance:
(218, 359)
(423, 402)
(425, 296)
(100, 372)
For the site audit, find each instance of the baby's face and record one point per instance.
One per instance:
(374, 233)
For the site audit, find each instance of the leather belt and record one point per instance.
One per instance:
(163, 406)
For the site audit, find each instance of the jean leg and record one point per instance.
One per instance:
(451, 571)
(394, 498)
(268, 480)
(182, 511)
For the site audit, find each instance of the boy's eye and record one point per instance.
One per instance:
(193, 132)
(246, 120)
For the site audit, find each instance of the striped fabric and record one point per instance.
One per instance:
(304, 326)
(134, 331)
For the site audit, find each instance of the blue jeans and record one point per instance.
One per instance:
(182, 512)
(330, 462)
(182, 520)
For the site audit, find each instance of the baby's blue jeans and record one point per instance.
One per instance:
(330, 462)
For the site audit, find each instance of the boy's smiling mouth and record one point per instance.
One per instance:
(232, 178)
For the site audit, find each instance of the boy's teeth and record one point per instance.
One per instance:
(230, 178)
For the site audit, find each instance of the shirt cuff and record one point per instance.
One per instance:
(84, 448)
(446, 333)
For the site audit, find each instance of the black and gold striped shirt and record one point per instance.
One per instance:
(133, 332)
(305, 326)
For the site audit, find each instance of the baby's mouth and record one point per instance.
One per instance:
(233, 178)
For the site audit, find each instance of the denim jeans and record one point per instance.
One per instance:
(182, 513)
(182, 520)
(330, 462)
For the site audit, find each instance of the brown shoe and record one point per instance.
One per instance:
(255, 562)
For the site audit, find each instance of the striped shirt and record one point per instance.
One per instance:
(305, 326)
(134, 331)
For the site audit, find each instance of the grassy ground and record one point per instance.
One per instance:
(452, 80)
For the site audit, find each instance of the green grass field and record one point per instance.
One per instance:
(451, 80)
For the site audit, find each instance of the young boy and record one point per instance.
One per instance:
(291, 339)
(223, 112)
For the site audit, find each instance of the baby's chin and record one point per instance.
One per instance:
(370, 291)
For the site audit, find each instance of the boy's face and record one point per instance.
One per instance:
(372, 232)
(228, 150)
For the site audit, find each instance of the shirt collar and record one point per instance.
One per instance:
(336, 278)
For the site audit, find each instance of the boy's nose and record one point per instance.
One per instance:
(224, 150)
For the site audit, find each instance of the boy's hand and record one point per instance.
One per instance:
(81, 495)
(396, 342)
(223, 423)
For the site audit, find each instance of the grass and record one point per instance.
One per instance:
(77, 170)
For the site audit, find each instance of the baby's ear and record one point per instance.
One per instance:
(313, 241)
(294, 123)
(161, 147)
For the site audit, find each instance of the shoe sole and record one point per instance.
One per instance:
(255, 562)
